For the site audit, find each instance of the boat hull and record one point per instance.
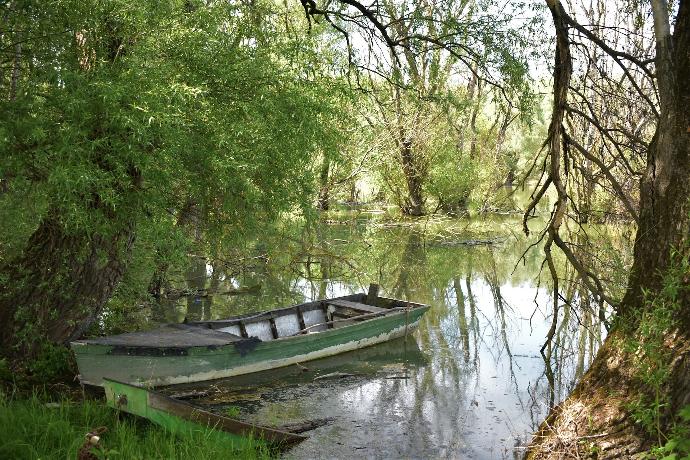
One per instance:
(159, 367)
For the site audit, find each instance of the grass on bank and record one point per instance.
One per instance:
(34, 428)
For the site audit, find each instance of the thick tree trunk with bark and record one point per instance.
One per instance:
(596, 418)
(665, 185)
(58, 286)
(55, 290)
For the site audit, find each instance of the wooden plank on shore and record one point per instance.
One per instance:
(181, 417)
(204, 418)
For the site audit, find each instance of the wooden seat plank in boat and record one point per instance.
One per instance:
(357, 306)
(171, 335)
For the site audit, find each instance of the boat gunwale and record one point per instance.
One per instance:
(313, 305)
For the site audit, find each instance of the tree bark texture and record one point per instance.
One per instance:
(665, 185)
(56, 289)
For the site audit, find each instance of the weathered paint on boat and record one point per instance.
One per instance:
(166, 366)
(180, 417)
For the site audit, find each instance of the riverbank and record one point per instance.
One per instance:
(45, 427)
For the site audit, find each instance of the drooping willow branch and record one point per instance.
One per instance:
(558, 147)
(396, 37)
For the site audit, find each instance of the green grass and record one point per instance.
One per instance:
(30, 429)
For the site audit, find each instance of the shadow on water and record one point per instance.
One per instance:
(469, 383)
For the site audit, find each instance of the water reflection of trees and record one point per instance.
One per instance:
(407, 264)
(474, 321)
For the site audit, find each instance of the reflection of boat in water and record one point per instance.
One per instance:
(205, 350)
(366, 361)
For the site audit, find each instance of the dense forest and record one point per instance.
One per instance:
(136, 137)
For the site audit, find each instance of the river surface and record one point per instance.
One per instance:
(471, 382)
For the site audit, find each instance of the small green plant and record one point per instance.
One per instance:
(232, 411)
(5, 372)
(653, 359)
(52, 363)
(677, 447)
(652, 362)
(594, 450)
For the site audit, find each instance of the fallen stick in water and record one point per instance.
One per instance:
(190, 394)
(305, 426)
(333, 375)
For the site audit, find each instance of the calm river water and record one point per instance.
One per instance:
(469, 383)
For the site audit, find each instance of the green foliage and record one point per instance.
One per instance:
(190, 124)
(653, 357)
(442, 130)
(452, 176)
(185, 104)
(677, 445)
(36, 429)
(51, 363)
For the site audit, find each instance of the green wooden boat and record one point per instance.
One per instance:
(180, 417)
(206, 350)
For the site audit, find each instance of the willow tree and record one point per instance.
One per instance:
(630, 397)
(118, 115)
(415, 80)
(419, 63)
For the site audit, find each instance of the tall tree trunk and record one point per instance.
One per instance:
(597, 415)
(665, 185)
(353, 191)
(214, 284)
(196, 283)
(56, 289)
(414, 205)
(462, 132)
(324, 192)
(473, 122)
